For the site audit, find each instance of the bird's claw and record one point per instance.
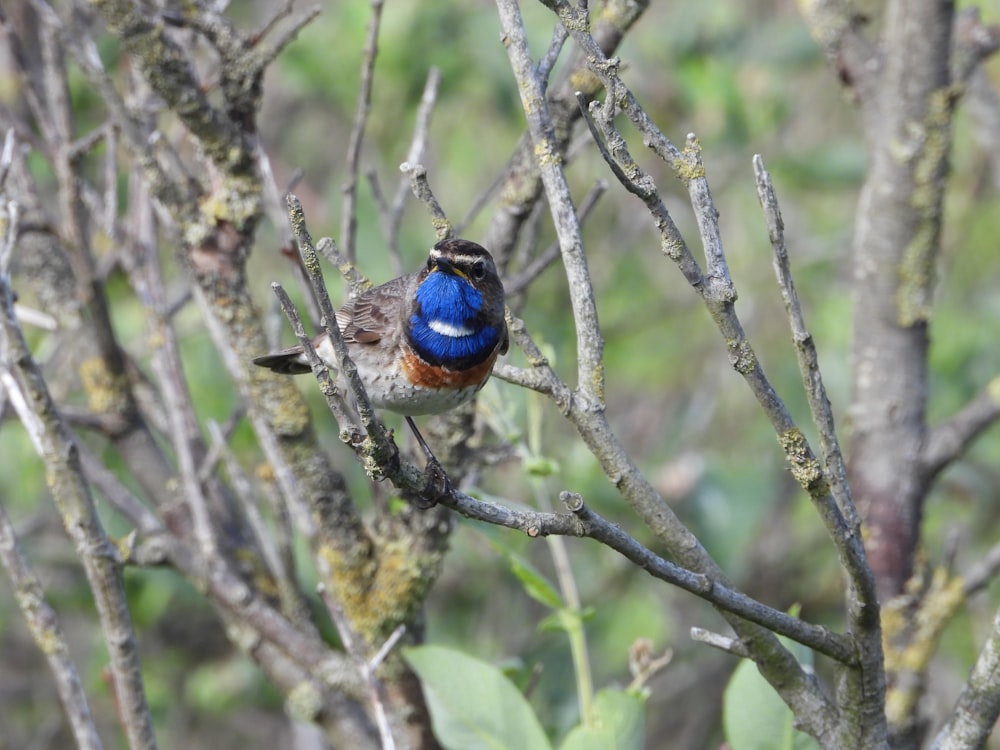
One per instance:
(436, 485)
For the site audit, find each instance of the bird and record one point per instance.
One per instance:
(423, 343)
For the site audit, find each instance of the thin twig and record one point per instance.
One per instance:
(353, 645)
(357, 282)
(551, 56)
(614, 149)
(215, 449)
(282, 11)
(379, 443)
(267, 54)
(386, 648)
(12, 215)
(479, 203)
(589, 343)
(349, 216)
(948, 441)
(527, 244)
(527, 275)
(7, 156)
(72, 495)
(32, 317)
(243, 488)
(732, 646)
(520, 188)
(983, 571)
(105, 483)
(109, 217)
(43, 622)
(335, 400)
(575, 632)
(849, 543)
(346, 368)
(415, 155)
(183, 429)
(978, 707)
(422, 190)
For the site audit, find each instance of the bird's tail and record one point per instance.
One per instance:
(290, 361)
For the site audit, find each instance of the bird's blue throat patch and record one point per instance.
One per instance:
(446, 328)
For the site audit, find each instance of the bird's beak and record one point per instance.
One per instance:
(447, 266)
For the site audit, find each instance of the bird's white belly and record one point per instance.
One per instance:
(389, 388)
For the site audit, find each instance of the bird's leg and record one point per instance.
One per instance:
(437, 480)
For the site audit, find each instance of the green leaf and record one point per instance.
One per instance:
(535, 584)
(619, 719)
(472, 703)
(755, 718)
(540, 466)
(566, 620)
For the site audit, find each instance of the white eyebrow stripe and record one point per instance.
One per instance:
(447, 329)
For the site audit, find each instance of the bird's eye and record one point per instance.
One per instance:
(478, 271)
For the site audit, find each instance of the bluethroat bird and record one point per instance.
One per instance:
(423, 343)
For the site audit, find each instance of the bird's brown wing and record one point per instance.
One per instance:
(370, 317)
(374, 314)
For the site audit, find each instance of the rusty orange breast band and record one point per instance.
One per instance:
(424, 375)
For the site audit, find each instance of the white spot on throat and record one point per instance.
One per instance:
(447, 329)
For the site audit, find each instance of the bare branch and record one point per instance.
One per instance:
(422, 190)
(521, 186)
(983, 571)
(584, 522)
(589, 343)
(354, 647)
(640, 184)
(527, 275)
(123, 501)
(838, 27)
(335, 400)
(415, 155)
(719, 295)
(48, 634)
(548, 61)
(948, 441)
(722, 642)
(6, 159)
(267, 54)
(972, 43)
(357, 282)
(76, 505)
(349, 215)
(978, 707)
(846, 535)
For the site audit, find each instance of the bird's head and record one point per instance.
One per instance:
(468, 261)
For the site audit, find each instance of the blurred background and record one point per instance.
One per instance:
(747, 79)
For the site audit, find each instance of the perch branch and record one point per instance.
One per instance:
(379, 444)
